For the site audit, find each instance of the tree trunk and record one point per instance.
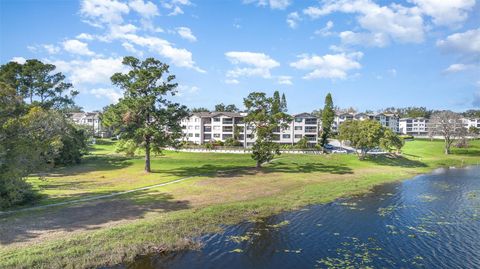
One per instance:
(259, 164)
(147, 155)
(447, 150)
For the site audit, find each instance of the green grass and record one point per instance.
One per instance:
(104, 171)
(289, 182)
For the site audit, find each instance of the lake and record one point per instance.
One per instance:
(430, 221)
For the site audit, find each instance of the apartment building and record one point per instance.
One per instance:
(413, 126)
(92, 120)
(471, 122)
(203, 127)
(386, 119)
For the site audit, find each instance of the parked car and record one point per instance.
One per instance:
(328, 146)
(343, 151)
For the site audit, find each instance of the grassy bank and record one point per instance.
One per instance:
(208, 201)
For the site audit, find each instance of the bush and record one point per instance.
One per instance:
(15, 191)
(231, 142)
(74, 142)
(406, 137)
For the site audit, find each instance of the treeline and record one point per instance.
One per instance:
(35, 133)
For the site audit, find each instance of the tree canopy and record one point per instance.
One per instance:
(328, 116)
(145, 116)
(264, 116)
(226, 108)
(447, 124)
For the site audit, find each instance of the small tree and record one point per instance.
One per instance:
(391, 141)
(474, 131)
(302, 143)
(328, 115)
(264, 119)
(144, 115)
(283, 103)
(362, 135)
(447, 124)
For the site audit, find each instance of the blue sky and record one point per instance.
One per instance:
(368, 54)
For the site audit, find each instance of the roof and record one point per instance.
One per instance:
(217, 114)
(304, 115)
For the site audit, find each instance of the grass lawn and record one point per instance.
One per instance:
(201, 204)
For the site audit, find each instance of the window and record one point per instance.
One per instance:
(216, 128)
(227, 136)
(228, 128)
(207, 128)
(298, 119)
(299, 136)
(250, 136)
(207, 136)
(311, 121)
(310, 129)
(241, 137)
(190, 127)
(196, 119)
(184, 127)
(286, 136)
(227, 121)
(298, 128)
(190, 135)
(216, 119)
(197, 135)
(216, 135)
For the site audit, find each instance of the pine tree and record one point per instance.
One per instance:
(283, 103)
(328, 115)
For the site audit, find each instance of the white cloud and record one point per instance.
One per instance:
(466, 44)
(179, 57)
(77, 47)
(145, 9)
(186, 33)
(175, 6)
(232, 81)
(333, 66)
(325, 31)
(51, 49)
(130, 48)
(273, 4)
(257, 64)
(85, 36)
(392, 72)
(187, 90)
(18, 59)
(90, 72)
(98, 12)
(395, 22)
(284, 80)
(111, 94)
(446, 12)
(455, 68)
(293, 19)
(365, 39)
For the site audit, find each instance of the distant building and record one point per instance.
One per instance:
(387, 120)
(471, 122)
(414, 126)
(204, 127)
(92, 120)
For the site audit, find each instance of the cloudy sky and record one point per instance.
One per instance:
(368, 54)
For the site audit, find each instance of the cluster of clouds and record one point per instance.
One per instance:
(375, 25)
(88, 68)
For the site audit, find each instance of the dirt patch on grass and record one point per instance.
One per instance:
(37, 226)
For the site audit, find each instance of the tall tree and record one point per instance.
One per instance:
(220, 107)
(447, 124)
(226, 108)
(231, 108)
(328, 115)
(200, 109)
(38, 83)
(264, 120)
(277, 103)
(283, 103)
(144, 115)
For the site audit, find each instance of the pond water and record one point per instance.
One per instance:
(431, 221)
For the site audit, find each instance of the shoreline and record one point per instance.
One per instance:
(207, 219)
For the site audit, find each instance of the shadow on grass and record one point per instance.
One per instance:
(90, 164)
(27, 226)
(394, 160)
